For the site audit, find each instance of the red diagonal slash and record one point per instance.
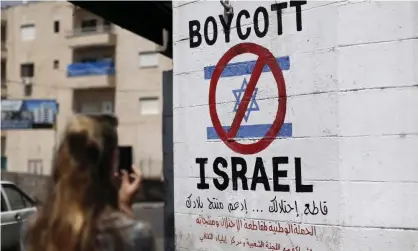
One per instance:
(265, 57)
(242, 108)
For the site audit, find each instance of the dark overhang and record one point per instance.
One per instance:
(147, 19)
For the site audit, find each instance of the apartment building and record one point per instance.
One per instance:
(52, 50)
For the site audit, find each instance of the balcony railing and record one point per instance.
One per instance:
(105, 67)
(82, 31)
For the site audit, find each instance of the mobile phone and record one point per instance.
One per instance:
(125, 158)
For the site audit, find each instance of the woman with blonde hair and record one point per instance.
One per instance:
(88, 207)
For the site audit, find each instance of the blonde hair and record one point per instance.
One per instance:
(82, 189)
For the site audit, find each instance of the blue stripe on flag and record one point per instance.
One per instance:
(245, 68)
(252, 131)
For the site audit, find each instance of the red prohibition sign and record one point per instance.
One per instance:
(265, 57)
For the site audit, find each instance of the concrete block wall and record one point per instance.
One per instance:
(34, 185)
(349, 157)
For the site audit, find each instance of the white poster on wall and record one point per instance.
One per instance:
(283, 138)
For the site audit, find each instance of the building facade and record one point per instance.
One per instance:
(52, 50)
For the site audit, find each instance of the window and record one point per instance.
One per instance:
(56, 26)
(3, 73)
(88, 25)
(27, 32)
(89, 60)
(17, 199)
(3, 146)
(28, 202)
(96, 107)
(27, 70)
(35, 166)
(3, 67)
(90, 107)
(107, 59)
(3, 163)
(56, 64)
(148, 59)
(149, 105)
(3, 204)
(3, 33)
(107, 25)
(27, 89)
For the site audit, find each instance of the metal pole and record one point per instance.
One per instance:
(169, 224)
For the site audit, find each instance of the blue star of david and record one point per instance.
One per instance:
(252, 106)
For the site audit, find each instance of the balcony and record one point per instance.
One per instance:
(91, 75)
(91, 36)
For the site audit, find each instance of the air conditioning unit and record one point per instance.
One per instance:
(27, 81)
